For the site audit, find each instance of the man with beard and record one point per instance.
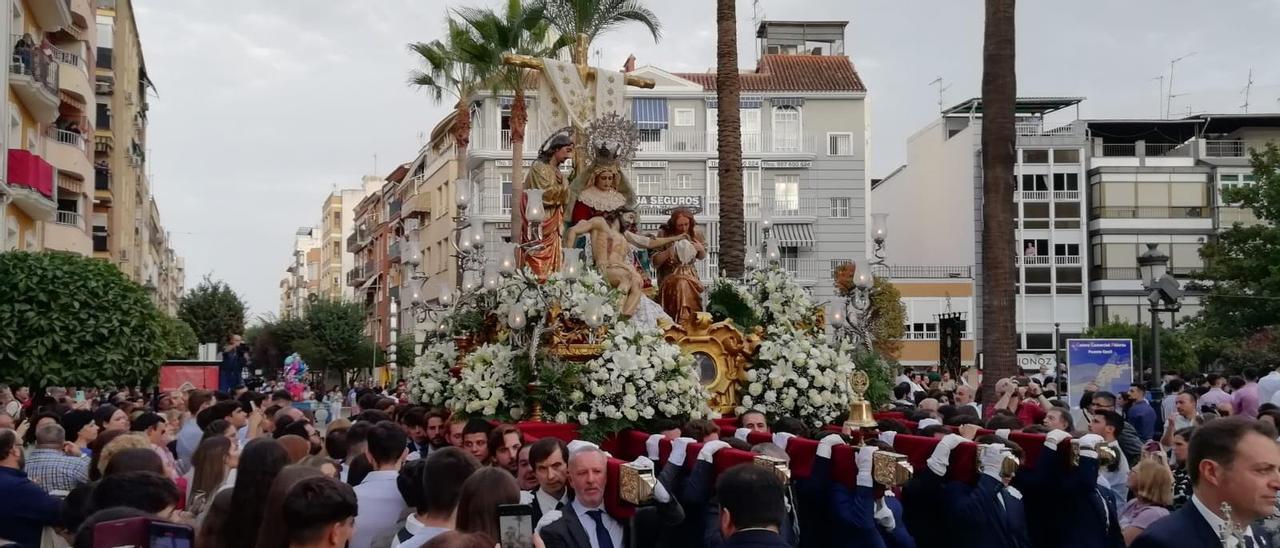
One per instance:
(25, 509)
(437, 430)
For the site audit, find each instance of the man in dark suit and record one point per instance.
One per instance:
(751, 507)
(584, 523)
(1232, 462)
(549, 458)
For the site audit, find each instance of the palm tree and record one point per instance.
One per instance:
(733, 243)
(520, 30)
(590, 18)
(999, 97)
(447, 74)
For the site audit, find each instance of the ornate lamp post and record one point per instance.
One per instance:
(1164, 294)
(856, 323)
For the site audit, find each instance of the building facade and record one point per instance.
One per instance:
(302, 275)
(804, 155)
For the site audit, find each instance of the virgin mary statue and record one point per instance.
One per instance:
(600, 189)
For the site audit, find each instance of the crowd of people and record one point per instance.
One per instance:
(1199, 467)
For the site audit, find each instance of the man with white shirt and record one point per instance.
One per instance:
(1231, 461)
(1108, 424)
(585, 518)
(548, 457)
(381, 506)
(443, 474)
(965, 396)
(1269, 386)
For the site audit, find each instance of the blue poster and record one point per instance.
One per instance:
(1105, 363)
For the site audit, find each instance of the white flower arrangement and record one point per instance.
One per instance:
(795, 374)
(430, 382)
(574, 296)
(774, 291)
(639, 377)
(487, 383)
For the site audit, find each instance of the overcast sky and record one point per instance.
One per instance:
(264, 107)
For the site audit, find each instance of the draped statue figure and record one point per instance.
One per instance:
(679, 288)
(545, 257)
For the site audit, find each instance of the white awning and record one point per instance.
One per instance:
(800, 235)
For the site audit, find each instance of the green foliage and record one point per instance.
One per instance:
(879, 373)
(71, 320)
(1176, 353)
(520, 29)
(888, 317)
(404, 352)
(1241, 264)
(335, 337)
(726, 303)
(273, 341)
(177, 338)
(213, 311)
(594, 17)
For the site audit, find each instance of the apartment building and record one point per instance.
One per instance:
(1161, 181)
(428, 215)
(302, 274)
(934, 204)
(337, 224)
(371, 244)
(804, 154)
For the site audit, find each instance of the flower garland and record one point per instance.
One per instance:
(488, 384)
(639, 377)
(794, 375)
(430, 380)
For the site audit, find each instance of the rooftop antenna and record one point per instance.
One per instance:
(941, 90)
(1159, 95)
(1173, 62)
(1248, 87)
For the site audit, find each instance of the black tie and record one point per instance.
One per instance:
(602, 533)
(559, 504)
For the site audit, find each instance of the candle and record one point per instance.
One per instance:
(463, 196)
(533, 211)
(515, 318)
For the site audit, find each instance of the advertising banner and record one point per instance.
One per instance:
(1106, 363)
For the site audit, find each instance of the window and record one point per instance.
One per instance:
(649, 184)
(840, 144)
(684, 117)
(104, 58)
(786, 128)
(713, 183)
(840, 207)
(505, 180)
(786, 193)
(1036, 182)
(1066, 156)
(921, 331)
(751, 186)
(1066, 182)
(683, 181)
(1035, 248)
(1033, 156)
(104, 116)
(789, 258)
(1069, 250)
(750, 119)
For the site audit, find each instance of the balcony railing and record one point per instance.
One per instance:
(1149, 212)
(69, 58)
(69, 138)
(807, 269)
(1066, 195)
(1224, 149)
(1229, 216)
(666, 140)
(922, 271)
(1066, 260)
(1032, 195)
(675, 140)
(1032, 260)
(35, 63)
(496, 204)
(799, 207)
(1119, 149)
(70, 218)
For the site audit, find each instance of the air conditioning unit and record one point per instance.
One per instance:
(103, 88)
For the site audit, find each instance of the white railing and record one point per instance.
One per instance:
(496, 204)
(70, 138)
(69, 58)
(1066, 195)
(1066, 260)
(807, 269)
(1035, 260)
(1229, 216)
(676, 140)
(1032, 195)
(800, 207)
(70, 218)
(1224, 149)
(750, 209)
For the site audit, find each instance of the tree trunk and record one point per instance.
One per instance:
(461, 138)
(999, 95)
(733, 243)
(519, 118)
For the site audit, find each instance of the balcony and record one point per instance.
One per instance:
(31, 181)
(677, 140)
(1149, 212)
(1066, 195)
(361, 273)
(782, 209)
(1066, 260)
(669, 140)
(807, 270)
(393, 251)
(66, 152)
(393, 208)
(496, 204)
(33, 75)
(51, 14)
(923, 272)
(1225, 149)
(1031, 196)
(1229, 216)
(73, 74)
(101, 179)
(1133, 273)
(67, 233)
(1032, 260)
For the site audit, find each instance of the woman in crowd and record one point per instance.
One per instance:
(133, 459)
(275, 536)
(81, 429)
(1151, 484)
(478, 502)
(260, 463)
(1181, 478)
(117, 443)
(212, 469)
(109, 417)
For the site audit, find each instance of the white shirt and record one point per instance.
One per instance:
(381, 508)
(1269, 386)
(546, 502)
(589, 524)
(1218, 524)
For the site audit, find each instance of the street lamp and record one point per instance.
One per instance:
(852, 318)
(1163, 292)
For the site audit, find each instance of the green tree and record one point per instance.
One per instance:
(335, 337)
(1240, 263)
(520, 29)
(71, 320)
(445, 73)
(177, 338)
(591, 18)
(1176, 353)
(213, 311)
(888, 318)
(274, 340)
(404, 351)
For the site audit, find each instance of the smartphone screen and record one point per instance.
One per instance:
(170, 535)
(128, 532)
(515, 525)
(79, 395)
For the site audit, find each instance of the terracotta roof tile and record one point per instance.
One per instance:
(780, 72)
